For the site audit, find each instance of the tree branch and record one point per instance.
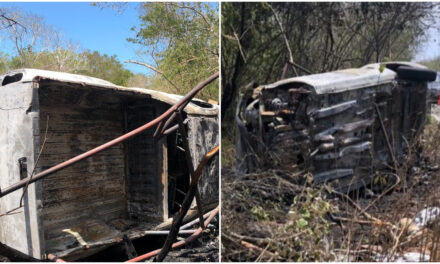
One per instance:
(145, 65)
(239, 46)
(192, 9)
(285, 38)
(155, 70)
(10, 21)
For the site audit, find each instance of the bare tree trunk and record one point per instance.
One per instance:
(230, 87)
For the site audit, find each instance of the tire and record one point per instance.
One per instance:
(416, 74)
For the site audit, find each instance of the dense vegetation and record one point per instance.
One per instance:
(41, 46)
(278, 215)
(259, 40)
(433, 64)
(181, 38)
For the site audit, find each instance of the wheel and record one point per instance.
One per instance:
(416, 74)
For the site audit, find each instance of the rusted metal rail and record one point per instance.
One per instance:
(178, 218)
(190, 164)
(191, 238)
(54, 258)
(163, 121)
(192, 192)
(180, 105)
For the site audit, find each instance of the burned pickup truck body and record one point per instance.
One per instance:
(50, 117)
(342, 126)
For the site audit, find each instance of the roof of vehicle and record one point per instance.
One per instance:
(31, 75)
(348, 79)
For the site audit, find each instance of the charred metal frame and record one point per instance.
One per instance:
(177, 227)
(342, 126)
(163, 122)
(179, 106)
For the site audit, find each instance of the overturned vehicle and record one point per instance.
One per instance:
(81, 185)
(341, 126)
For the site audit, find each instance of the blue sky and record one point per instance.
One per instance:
(103, 30)
(106, 31)
(430, 48)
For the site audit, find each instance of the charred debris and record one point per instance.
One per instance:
(86, 164)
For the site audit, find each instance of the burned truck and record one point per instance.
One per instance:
(341, 126)
(121, 192)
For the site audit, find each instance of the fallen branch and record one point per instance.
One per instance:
(248, 238)
(262, 251)
(384, 193)
(357, 221)
(362, 211)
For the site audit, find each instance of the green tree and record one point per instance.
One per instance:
(182, 39)
(86, 63)
(433, 64)
(40, 46)
(105, 67)
(4, 63)
(138, 80)
(29, 35)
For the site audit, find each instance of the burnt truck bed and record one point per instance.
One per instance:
(124, 190)
(342, 126)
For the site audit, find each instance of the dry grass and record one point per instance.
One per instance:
(228, 153)
(277, 216)
(273, 216)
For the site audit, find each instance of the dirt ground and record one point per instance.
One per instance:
(346, 240)
(422, 192)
